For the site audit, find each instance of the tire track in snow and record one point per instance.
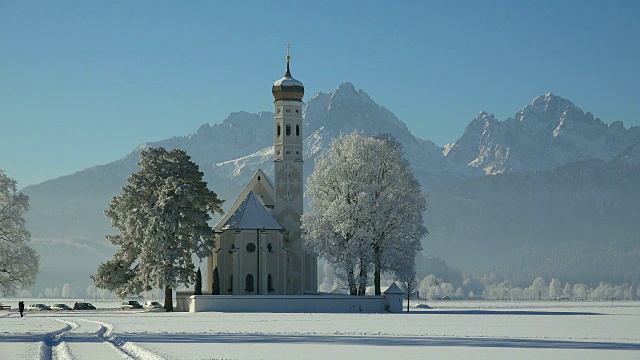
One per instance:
(53, 346)
(126, 349)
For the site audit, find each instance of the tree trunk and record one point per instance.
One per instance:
(168, 298)
(351, 280)
(376, 278)
(377, 271)
(362, 279)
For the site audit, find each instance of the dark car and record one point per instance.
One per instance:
(131, 304)
(83, 306)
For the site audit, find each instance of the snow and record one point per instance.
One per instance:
(455, 329)
(287, 81)
(252, 214)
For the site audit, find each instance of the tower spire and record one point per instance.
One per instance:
(288, 73)
(287, 88)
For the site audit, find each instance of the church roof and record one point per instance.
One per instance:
(394, 289)
(262, 188)
(251, 214)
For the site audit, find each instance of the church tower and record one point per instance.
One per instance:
(288, 188)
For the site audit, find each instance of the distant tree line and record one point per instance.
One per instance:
(614, 262)
(433, 288)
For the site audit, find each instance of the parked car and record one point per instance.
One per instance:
(59, 307)
(83, 306)
(130, 305)
(152, 306)
(37, 307)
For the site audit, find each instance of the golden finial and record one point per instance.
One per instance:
(288, 46)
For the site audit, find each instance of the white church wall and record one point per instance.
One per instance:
(290, 303)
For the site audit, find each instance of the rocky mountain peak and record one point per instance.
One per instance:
(346, 109)
(548, 132)
(548, 104)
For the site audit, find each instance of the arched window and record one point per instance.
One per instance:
(297, 130)
(249, 283)
(278, 131)
(230, 289)
(270, 283)
(288, 130)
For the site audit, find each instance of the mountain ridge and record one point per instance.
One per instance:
(71, 208)
(548, 132)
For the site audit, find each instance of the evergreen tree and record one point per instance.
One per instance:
(216, 282)
(198, 287)
(161, 221)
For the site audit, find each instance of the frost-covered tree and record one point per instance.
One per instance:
(516, 293)
(429, 286)
(161, 221)
(555, 289)
(580, 290)
(447, 289)
(366, 209)
(396, 213)
(66, 291)
(539, 288)
(407, 276)
(568, 291)
(18, 262)
(459, 293)
(91, 291)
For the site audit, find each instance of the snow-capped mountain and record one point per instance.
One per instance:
(549, 132)
(67, 222)
(327, 115)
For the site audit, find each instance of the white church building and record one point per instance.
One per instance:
(258, 263)
(258, 248)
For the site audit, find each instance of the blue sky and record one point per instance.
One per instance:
(82, 83)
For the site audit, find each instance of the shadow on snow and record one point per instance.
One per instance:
(370, 340)
(378, 340)
(500, 312)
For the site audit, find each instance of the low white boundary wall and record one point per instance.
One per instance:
(332, 303)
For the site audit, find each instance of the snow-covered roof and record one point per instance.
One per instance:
(251, 214)
(287, 81)
(261, 186)
(394, 289)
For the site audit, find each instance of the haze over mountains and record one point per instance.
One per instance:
(552, 177)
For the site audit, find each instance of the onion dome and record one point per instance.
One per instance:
(288, 88)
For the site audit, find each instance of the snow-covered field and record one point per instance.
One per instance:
(451, 330)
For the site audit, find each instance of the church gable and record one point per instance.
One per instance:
(251, 214)
(261, 186)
